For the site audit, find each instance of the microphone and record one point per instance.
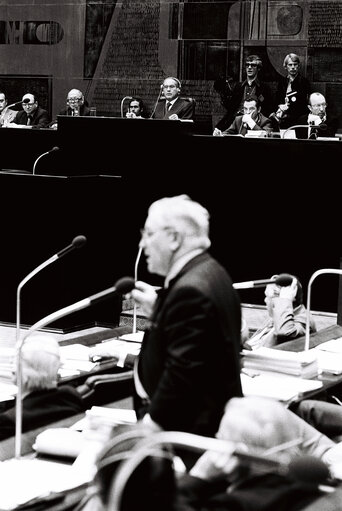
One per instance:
(122, 103)
(320, 126)
(122, 286)
(335, 271)
(134, 329)
(156, 103)
(77, 242)
(284, 279)
(306, 469)
(55, 148)
(26, 100)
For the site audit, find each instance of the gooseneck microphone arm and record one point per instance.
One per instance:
(321, 126)
(122, 103)
(335, 271)
(41, 156)
(156, 103)
(77, 242)
(123, 286)
(284, 279)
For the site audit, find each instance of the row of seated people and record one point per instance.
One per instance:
(315, 123)
(32, 115)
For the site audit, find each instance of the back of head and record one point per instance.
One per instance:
(186, 216)
(150, 485)
(40, 362)
(260, 423)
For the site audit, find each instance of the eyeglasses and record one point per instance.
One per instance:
(321, 105)
(74, 100)
(28, 104)
(251, 64)
(146, 234)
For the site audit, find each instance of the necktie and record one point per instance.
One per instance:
(28, 120)
(168, 105)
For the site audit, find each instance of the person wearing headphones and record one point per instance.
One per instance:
(170, 105)
(286, 316)
(76, 104)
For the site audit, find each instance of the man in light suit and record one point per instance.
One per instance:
(171, 106)
(188, 366)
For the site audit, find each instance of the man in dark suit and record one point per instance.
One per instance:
(251, 86)
(251, 119)
(76, 104)
(188, 367)
(32, 115)
(171, 106)
(319, 122)
(43, 401)
(291, 95)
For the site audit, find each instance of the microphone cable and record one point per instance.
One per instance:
(156, 103)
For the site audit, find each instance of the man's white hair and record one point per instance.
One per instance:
(40, 362)
(185, 216)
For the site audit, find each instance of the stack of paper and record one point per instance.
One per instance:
(329, 356)
(278, 386)
(303, 364)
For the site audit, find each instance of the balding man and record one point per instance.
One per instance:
(319, 122)
(76, 104)
(31, 115)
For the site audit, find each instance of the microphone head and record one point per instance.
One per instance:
(55, 148)
(309, 469)
(26, 100)
(284, 279)
(124, 285)
(79, 241)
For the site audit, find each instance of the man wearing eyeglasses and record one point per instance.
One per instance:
(251, 86)
(170, 105)
(76, 104)
(319, 123)
(31, 115)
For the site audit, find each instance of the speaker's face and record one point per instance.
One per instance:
(171, 89)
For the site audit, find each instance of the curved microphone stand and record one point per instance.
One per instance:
(335, 271)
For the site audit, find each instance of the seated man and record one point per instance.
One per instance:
(252, 119)
(43, 401)
(171, 106)
(226, 479)
(136, 109)
(322, 415)
(6, 114)
(76, 104)
(31, 116)
(287, 316)
(320, 124)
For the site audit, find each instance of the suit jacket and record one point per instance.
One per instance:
(331, 123)
(42, 407)
(84, 111)
(184, 108)
(189, 359)
(237, 128)
(298, 103)
(40, 118)
(263, 93)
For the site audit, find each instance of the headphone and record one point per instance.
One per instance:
(178, 84)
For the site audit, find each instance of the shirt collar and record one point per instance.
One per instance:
(180, 263)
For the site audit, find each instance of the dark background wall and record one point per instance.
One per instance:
(113, 49)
